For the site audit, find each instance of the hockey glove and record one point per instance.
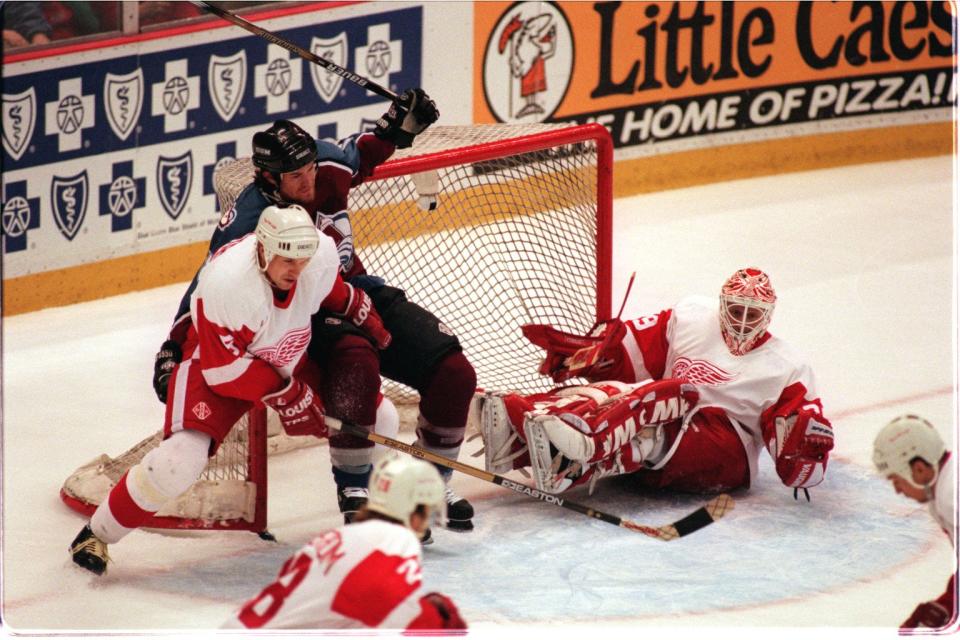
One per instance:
(166, 361)
(928, 614)
(412, 112)
(596, 356)
(360, 311)
(801, 448)
(447, 611)
(299, 408)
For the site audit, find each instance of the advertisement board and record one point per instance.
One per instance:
(661, 72)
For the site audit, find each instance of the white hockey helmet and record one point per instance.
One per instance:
(747, 300)
(399, 483)
(288, 232)
(904, 438)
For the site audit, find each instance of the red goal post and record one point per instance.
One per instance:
(520, 231)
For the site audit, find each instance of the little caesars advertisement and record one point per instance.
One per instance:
(665, 71)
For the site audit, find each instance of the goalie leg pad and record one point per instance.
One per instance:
(503, 446)
(545, 461)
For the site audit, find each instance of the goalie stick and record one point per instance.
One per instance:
(705, 515)
(330, 66)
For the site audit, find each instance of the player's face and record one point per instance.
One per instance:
(745, 316)
(284, 272)
(905, 488)
(299, 186)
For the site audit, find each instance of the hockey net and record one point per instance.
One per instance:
(487, 226)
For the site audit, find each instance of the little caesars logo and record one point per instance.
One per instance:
(528, 62)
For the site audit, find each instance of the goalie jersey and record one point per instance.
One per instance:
(753, 389)
(361, 576)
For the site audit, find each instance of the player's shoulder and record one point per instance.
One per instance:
(390, 538)
(333, 155)
(695, 307)
(233, 269)
(242, 217)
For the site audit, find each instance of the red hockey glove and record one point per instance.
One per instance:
(445, 609)
(299, 408)
(595, 356)
(928, 614)
(801, 448)
(360, 311)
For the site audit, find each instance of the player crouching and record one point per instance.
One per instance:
(366, 574)
(251, 313)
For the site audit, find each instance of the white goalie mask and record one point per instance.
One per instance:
(288, 232)
(903, 439)
(747, 300)
(399, 483)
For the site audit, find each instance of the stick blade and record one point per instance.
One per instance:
(705, 515)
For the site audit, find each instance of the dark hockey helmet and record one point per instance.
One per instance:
(283, 147)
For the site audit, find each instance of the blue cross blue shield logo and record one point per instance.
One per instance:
(174, 177)
(68, 197)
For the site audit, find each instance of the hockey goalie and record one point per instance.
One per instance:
(683, 399)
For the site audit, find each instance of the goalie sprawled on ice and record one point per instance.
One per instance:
(683, 399)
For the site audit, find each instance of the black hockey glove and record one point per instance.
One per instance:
(167, 359)
(411, 113)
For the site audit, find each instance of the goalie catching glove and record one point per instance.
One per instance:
(597, 356)
(300, 410)
(411, 113)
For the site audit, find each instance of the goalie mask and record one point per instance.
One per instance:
(288, 232)
(747, 300)
(903, 439)
(399, 484)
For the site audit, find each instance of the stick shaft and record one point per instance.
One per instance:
(330, 66)
(696, 520)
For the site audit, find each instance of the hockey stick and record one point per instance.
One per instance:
(707, 514)
(332, 67)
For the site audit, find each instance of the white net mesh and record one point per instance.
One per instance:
(512, 239)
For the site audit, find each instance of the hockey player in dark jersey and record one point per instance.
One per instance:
(293, 168)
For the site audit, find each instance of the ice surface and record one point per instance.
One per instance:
(863, 261)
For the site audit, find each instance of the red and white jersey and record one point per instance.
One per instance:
(245, 338)
(942, 501)
(685, 342)
(363, 575)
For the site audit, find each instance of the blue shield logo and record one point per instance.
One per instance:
(69, 200)
(174, 177)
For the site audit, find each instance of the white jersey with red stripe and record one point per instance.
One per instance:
(942, 501)
(685, 342)
(246, 339)
(363, 575)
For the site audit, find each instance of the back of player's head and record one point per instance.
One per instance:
(904, 439)
(399, 484)
(288, 232)
(283, 147)
(747, 300)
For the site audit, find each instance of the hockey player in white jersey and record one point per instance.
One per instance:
(683, 399)
(366, 574)
(910, 453)
(251, 323)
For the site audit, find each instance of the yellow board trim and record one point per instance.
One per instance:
(631, 177)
